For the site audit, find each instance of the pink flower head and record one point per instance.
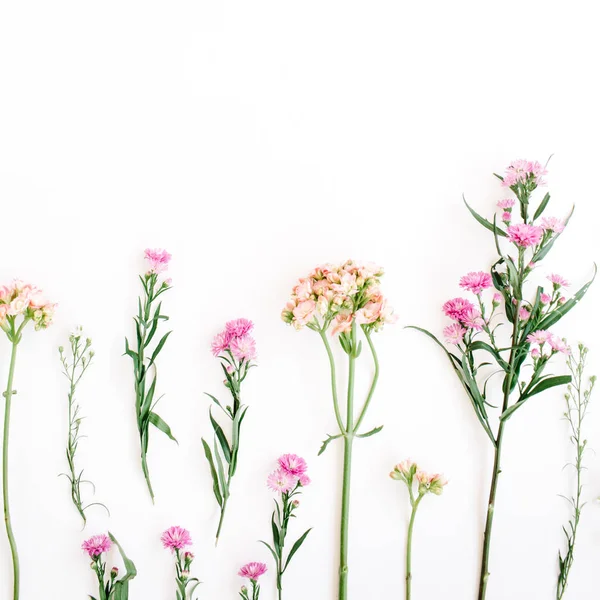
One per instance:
(293, 464)
(552, 224)
(525, 235)
(176, 538)
(506, 216)
(253, 570)
(304, 312)
(281, 481)
(239, 327)
(97, 545)
(558, 280)
(506, 203)
(524, 314)
(454, 333)
(304, 480)
(342, 323)
(523, 171)
(559, 345)
(541, 336)
(473, 320)
(476, 282)
(243, 348)
(497, 299)
(220, 343)
(457, 308)
(158, 260)
(545, 298)
(535, 353)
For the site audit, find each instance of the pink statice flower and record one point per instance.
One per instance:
(176, 538)
(281, 481)
(97, 545)
(558, 281)
(239, 327)
(457, 308)
(158, 260)
(552, 224)
(524, 171)
(293, 464)
(243, 348)
(253, 570)
(476, 281)
(454, 333)
(506, 203)
(525, 235)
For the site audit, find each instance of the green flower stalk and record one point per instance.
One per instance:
(340, 301)
(74, 366)
(20, 304)
(409, 473)
(577, 399)
(144, 360)
(177, 539)
(110, 586)
(522, 359)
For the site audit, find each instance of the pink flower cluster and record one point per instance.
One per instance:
(428, 482)
(158, 260)
(24, 299)
(97, 545)
(541, 340)
(176, 538)
(291, 472)
(253, 570)
(466, 317)
(339, 295)
(236, 339)
(524, 171)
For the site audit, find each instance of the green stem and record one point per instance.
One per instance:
(336, 406)
(411, 524)
(7, 521)
(222, 517)
(147, 473)
(363, 412)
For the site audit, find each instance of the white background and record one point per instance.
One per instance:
(255, 140)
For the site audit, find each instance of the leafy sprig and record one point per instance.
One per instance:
(112, 587)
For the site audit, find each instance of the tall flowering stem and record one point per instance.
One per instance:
(110, 586)
(410, 474)
(252, 571)
(176, 539)
(236, 350)
(147, 322)
(341, 300)
(524, 358)
(75, 364)
(288, 481)
(20, 304)
(577, 398)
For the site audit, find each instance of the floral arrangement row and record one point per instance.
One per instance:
(499, 342)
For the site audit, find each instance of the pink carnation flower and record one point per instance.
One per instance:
(293, 464)
(559, 345)
(97, 545)
(243, 348)
(524, 314)
(220, 343)
(476, 282)
(253, 570)
(524, 235)
(281, 481)
(158, 259)
(239, 327)
(304, 480)
(473, 320)
(545, 298)
(519, 171)
(552, 224)
(558, 280)
(541, 336)
(454, 333)
(506, 203)
(457, 308)
(176, 538)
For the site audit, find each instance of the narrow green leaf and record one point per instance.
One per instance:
(479, 345)
(159, 346)
(160, 424)
(547, 383)
(213, 472)
(220, 471)
(542, 252)
(296, 547)
(483, 221)
(326, 443)
(130, 570)
(370, 433)
(542, 207)
(221, 437)
(275, 532)
(271, 550)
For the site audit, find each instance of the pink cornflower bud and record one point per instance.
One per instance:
(296, 503)
(114, 572)
(506, 217)
(535, 353)
(524, 314)
(562, 300)
(545, 298)
(497, 299)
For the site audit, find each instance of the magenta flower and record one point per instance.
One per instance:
(304, 480)
(525, 235)
(239, 327)
(476, 282)
(558, 280)
(552, 224)
(97, 545)
(158, 259)
(457, 308)
(545, 298)
(176, 538)
(520, 171)
(506, 216)
(220, 343)
(243, 348)
(454, 333)
(281, 481)
(293, 464)
(506, 203)
(253, 570)
(473, 320)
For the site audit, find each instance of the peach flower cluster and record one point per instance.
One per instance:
(24, 299)
(338, 295)
(429, 483)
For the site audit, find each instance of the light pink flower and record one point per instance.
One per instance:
(243, 348)
(239, 327)
(525, 235)
(18, 306)
(506, 203)
(281, 481)
(559, 345)
(457, 308)
(304, 312)
(293, 464)
(97, 545)
(158, 259)
(497, 299)
(524, 314)
(431, 482)
(253, 570)
(476, 281)
(304, 480)
(540, 337)
(176, 538)
(454, 333)
(520, 171)
(342, 323)
(535, 353)
(506, 217)
(403, 469)
(552, 224)
(558, 280)
(473, 320)
(545, 298)
(3, 312)
(220, 343)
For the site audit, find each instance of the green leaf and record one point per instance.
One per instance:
(326, 443)
(542, 207)
(483, 221)
(370, 433)
(221, 437)
(296, 547)
(160, 424)
(235, 437)
(213, 472)
(130, 570)
(479, 345)
(220, 470)
(217, 403)
(159, 346)
(271, 550)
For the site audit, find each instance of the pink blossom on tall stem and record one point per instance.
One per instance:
(238, 328)
(473, 320)
(559, 345)
(281, 481)
(220, 343)
(243, 348)
(293, 464)
(97, 545)
(454, 333)
(520, 171)
(476, 281)
(552, 224)
(506, 203)
(457, 308)
(558, 280)
(541, 336)
(525, 235)
(158, 260)
(506, 217)
(176, 538)
(253, 570)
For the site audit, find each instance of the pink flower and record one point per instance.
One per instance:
(535, 353)
(18, 306)
(457, 308)
(539, 337)
(524, 314)
(176, 538)
(476, 282)
(506, 217)
(243, 348)
(304, 312)
(454, 333)
(239, 327)
(293, 464)
(506, 203)
(545, 298)
(473, 320)
(552, 224)
(559, 345)
(342, 323)
(558, 281)
(497, 299)
(403, 470)
(158, 259)
(97, 545)
(431, 482)
(220, 343)
(524, 235)
(304, 480)
(281, 481)
(253, 570)
(522, 171)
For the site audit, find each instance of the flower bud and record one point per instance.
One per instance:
(114, 572)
